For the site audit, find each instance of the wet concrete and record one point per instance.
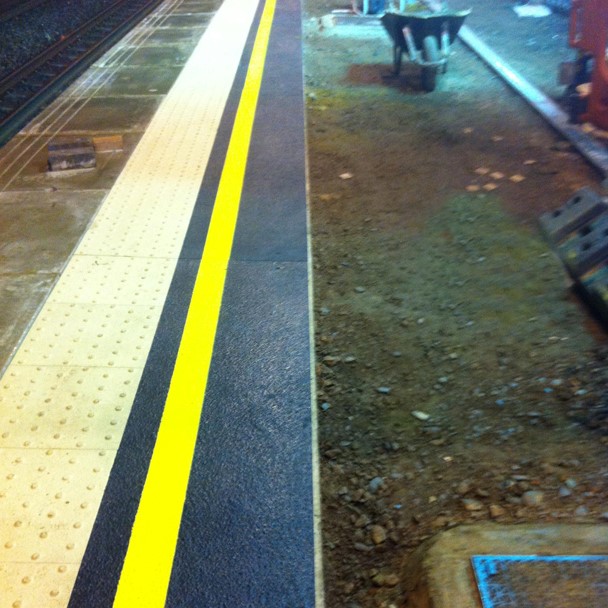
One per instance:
(113, 114)
(187, 20)
(161, 56)
(140, 81)
(177, 35)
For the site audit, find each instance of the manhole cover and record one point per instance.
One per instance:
(531, 581)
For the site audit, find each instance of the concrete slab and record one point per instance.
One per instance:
(140, 81)
(188, 20)
(194, 6)
(109, 115)
(38, 231)
(158, 56)
(439, 573)
(178, 35)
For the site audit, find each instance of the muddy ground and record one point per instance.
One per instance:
(459, 376)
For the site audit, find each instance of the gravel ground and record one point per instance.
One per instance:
(26, 35)
(460, 378)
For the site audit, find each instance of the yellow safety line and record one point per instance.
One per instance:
(146, 571)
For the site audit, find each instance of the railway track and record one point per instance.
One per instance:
(12, 8)
(28, 88)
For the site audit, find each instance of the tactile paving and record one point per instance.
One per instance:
(65, 407)
(45, 585)
(114, 280)
(66, 396)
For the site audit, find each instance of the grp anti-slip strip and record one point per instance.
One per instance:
(66, 396)
(246, 535)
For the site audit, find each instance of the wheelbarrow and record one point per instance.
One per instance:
(425, 38)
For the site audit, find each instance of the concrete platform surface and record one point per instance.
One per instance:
(44, 214)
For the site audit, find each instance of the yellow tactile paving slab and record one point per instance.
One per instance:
(90, 334)
(49, 578)
(65, 407)
(133, 281)
(45, 527)
(65, 397)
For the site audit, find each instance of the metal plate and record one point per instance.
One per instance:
(533, 581)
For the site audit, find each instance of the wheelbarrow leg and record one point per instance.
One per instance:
(445, 47)
(397, 53)
(430, 55)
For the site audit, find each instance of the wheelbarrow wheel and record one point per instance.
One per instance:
(430, 52)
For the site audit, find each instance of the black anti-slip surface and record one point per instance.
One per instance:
(247, 536)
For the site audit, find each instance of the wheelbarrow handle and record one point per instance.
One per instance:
(445, 41)
(575, 35)
(411, 45)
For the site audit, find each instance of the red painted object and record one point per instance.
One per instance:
(589, 33)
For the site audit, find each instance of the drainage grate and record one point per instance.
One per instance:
(532, 581)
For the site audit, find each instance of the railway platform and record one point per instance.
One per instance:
(158, 440)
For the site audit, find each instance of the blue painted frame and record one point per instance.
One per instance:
(487, 566)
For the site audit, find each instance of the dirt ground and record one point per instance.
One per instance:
(460, 378)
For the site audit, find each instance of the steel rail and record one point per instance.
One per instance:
(13, 8)
(24, 90)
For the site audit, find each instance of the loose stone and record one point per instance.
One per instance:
(463, 487)
(470, 504)
(375, 484)
(497, 511)
(532, 498)
(385, 580)
(378, 534)
(331, 361)
(419, 415)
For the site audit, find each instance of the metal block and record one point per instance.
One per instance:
(598, 298)
(596, 290)
(567, 72)
(583, 207)
(77, 153)
(587, 247)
